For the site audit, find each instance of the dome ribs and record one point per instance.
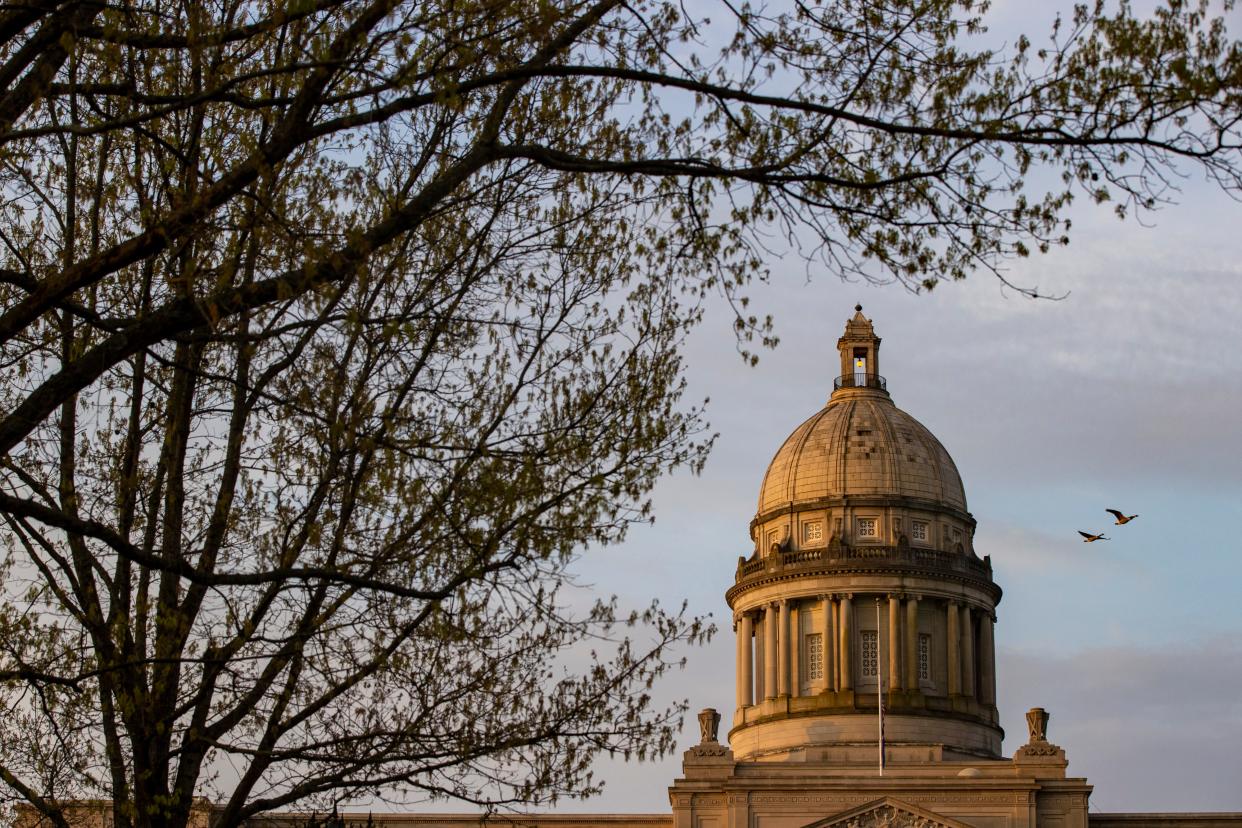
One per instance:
(863, 447)
(894, 456)
(795, 475)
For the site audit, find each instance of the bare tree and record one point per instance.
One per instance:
(332, 332)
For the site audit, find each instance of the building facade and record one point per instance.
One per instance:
(864, 622)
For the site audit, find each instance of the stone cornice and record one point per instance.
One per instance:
(898, 501)
(858, 708)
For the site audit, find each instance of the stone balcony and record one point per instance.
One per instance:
(837, 557)
(860, 380)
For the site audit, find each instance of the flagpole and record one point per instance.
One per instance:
(879, 682)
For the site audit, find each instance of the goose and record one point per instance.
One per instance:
(1089, 538)
(1121, 518)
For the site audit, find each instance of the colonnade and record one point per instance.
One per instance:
(769, 647)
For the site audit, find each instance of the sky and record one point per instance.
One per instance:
(1125, 394)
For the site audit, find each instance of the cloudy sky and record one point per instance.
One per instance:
(1126, 394)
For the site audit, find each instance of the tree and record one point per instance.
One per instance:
(334, 331)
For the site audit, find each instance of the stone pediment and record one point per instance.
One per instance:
(887, 813)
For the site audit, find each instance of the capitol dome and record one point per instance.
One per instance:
(863, 584)
(861, 469)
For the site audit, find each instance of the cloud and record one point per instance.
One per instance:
(1153, 729)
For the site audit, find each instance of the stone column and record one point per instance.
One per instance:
(745, 662)
(782, 662)
(912, 643)
(968, 654)
(987, 661)
(796, 667)
(761, 670)
(845, 644)
(771, 647)
(894, 642)
(953, 648)
(830, 652)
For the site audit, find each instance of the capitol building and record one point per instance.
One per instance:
(865, 631)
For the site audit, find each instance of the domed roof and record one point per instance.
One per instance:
(861, 444)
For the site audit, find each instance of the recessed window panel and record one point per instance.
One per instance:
(815, 656)
(870, 654)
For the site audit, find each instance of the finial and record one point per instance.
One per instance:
(709, 721)
(1037, 724)
(858, 307)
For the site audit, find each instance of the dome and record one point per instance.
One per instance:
(861, 444)
(862, 586)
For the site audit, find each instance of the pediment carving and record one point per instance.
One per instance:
(887, 813)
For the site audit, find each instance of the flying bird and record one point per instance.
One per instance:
(1089, 538)
(1120, 517)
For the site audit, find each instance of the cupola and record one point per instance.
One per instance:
(860, 353)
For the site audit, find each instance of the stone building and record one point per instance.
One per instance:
(866, 681)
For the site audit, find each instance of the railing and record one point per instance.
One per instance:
(839, 556)
(860, 381)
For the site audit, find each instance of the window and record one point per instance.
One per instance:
(813, 531)
(924, 657)
(868, 527)
(918, 530)
(870, 654)
(815, 657)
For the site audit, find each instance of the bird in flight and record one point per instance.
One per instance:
(1121, 518)
(1089, 538)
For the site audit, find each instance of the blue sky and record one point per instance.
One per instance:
(1126, 394)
